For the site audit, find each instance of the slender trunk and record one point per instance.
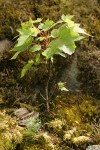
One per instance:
(47, 85)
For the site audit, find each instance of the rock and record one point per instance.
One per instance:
(5, 45)
(93, 147)
(21, 112)
(89, 74)
(25, 119)
(23, 115)
(69, 75)
(12, 13)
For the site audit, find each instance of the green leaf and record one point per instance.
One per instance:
(27, 24)
(62, 87)
(22, 39)
(62, 54)
(28, 29)
(68, 49)
(66, 17)
(34, 31)
(51, 59)
(23, 31)
(47, 25)
(37, 58)
(70, 23)
(26, 68)
(41, 25)
(58, 22)
(15, 55)
(52, 49)
(79, 30)
(23, 47)
(37, 20)
(40, 38)
(54, 33)
(64, 43)
(46, 53)
(35, 48)
(61, 40)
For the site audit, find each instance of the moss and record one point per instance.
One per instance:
(10, 132)
(88, 16)
(74, 126)
(78, 116)
(72, 111)
(16, 11)
(88, 64)
(89, 111)
(11, 15)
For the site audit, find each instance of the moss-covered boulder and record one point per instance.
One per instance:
(12, 13)
(85, 75)
(89, 74)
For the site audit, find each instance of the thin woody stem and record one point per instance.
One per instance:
(47, 41)
(47, 85)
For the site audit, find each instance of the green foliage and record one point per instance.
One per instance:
(47, 39)
(32, 129)
(61, 86)
(27, 67)
(33, 125)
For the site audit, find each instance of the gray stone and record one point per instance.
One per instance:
(25, 119)
(5, 45)
(23, 115)
(21, 112)
(93, 147)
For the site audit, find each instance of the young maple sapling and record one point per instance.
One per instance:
(47, 39)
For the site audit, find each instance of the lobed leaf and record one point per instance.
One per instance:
(61, 41)
(64, 42)
(37, 20)
(62, 87)
(18, 49)
(47, 25)
(26, 67)
(35, 48)
(27, 24)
